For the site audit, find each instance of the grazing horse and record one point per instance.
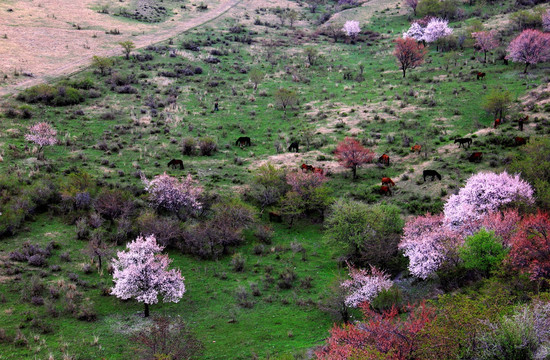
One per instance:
(384, 159)
(475, 157)
(294, 146)
(385, 190)
(306, 168)
(387, 181)
(243, 141)
(497, 122)
(318, 171)
(518, 141)
(464, 141)
(434, 174)
(175, 162)
(480, 75)
(416, 148)
(275, 217)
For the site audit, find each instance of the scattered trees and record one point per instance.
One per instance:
(409, 53)
(42, 134)
(256, 77)
(285, 98)
(169, 193)
(127, 47)
(485, 42)
(103, 64)
(314, 4)
(497, 102)
(142, 273)
(312, 54)
(351, 154)
(529, 47)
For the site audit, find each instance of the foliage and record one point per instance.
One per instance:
(268, 185)
(351, 154)
(483, 193)
(285, 98)
(256, 77)
(529, 47)
(382, 335)
(167, 337)
(103, 64)
(333, 301)
(497, 102)
(351, 28)
(127, 47)
(51, 95)
(530, 250)
(42, 134)
(482, 252)
(368, 233)
(408, 52)
(364, 286)
(142, 273)
(173, 195)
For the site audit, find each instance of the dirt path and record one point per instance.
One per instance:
(140, 41)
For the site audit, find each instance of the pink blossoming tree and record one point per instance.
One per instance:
(351, 28)
(485, 192)
(427, 241)
(503, 223)
(142, 273)
(42, 134)
(436, 29)
(529, 47)
(169, 193)
(485, 41)
(365, 285)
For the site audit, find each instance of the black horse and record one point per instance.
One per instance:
(294, 146)
(243, 141)
(434, 174)
(175, 162)
(463, 141)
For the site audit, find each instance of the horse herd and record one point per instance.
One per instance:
(387, 183)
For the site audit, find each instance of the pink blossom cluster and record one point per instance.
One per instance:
(351, 28)
(169, 193)
(143, 274)
(364, 286)
(436, 29)
(303, 183)
(42, 134)
(485, 40)
(485, 192)
(530, 47)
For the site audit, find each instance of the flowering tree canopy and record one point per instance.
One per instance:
(485, 41)
(351, 154)
(416, 32)
(409, 53)
(426, 241)
(483, 193)
(142, 273)
(529, 47)
(364, 286)
(171, 194)
(351, 28)
(503, 224)
(436, 29)
(42, 134)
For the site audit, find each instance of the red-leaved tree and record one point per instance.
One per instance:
(169, 193)
(383, 335)
(530, 251)
(42, 134)
(409, 53)
(529, 47)
(351, 154)
(485, 42)
(142, 273)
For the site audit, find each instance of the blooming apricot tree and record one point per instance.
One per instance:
(42, 134)
(416, 31)
(436, 29)
(364, 286)
(171, 194)
(142, 273)
(529, 47)
(351, 28)
(485, 41)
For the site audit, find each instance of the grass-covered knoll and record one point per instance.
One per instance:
(128, 118)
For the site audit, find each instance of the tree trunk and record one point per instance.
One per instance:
(99, 260)
(146, 311)
(404, 71)
(485, 59)
(525, 70)
(354, 171)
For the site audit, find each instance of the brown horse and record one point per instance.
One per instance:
(385, 190)
(384, 159)
(306, 168)
(318, 171)
(175, 162)
(518, 141)
(480, 75)
(387, 181)
(416, 148)
(475, 157)
(497, 122)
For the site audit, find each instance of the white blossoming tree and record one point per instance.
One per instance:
(364, 286)
(351, 28)
(42, 134)
(142, 273)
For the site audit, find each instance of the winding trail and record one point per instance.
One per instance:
(140, 41)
